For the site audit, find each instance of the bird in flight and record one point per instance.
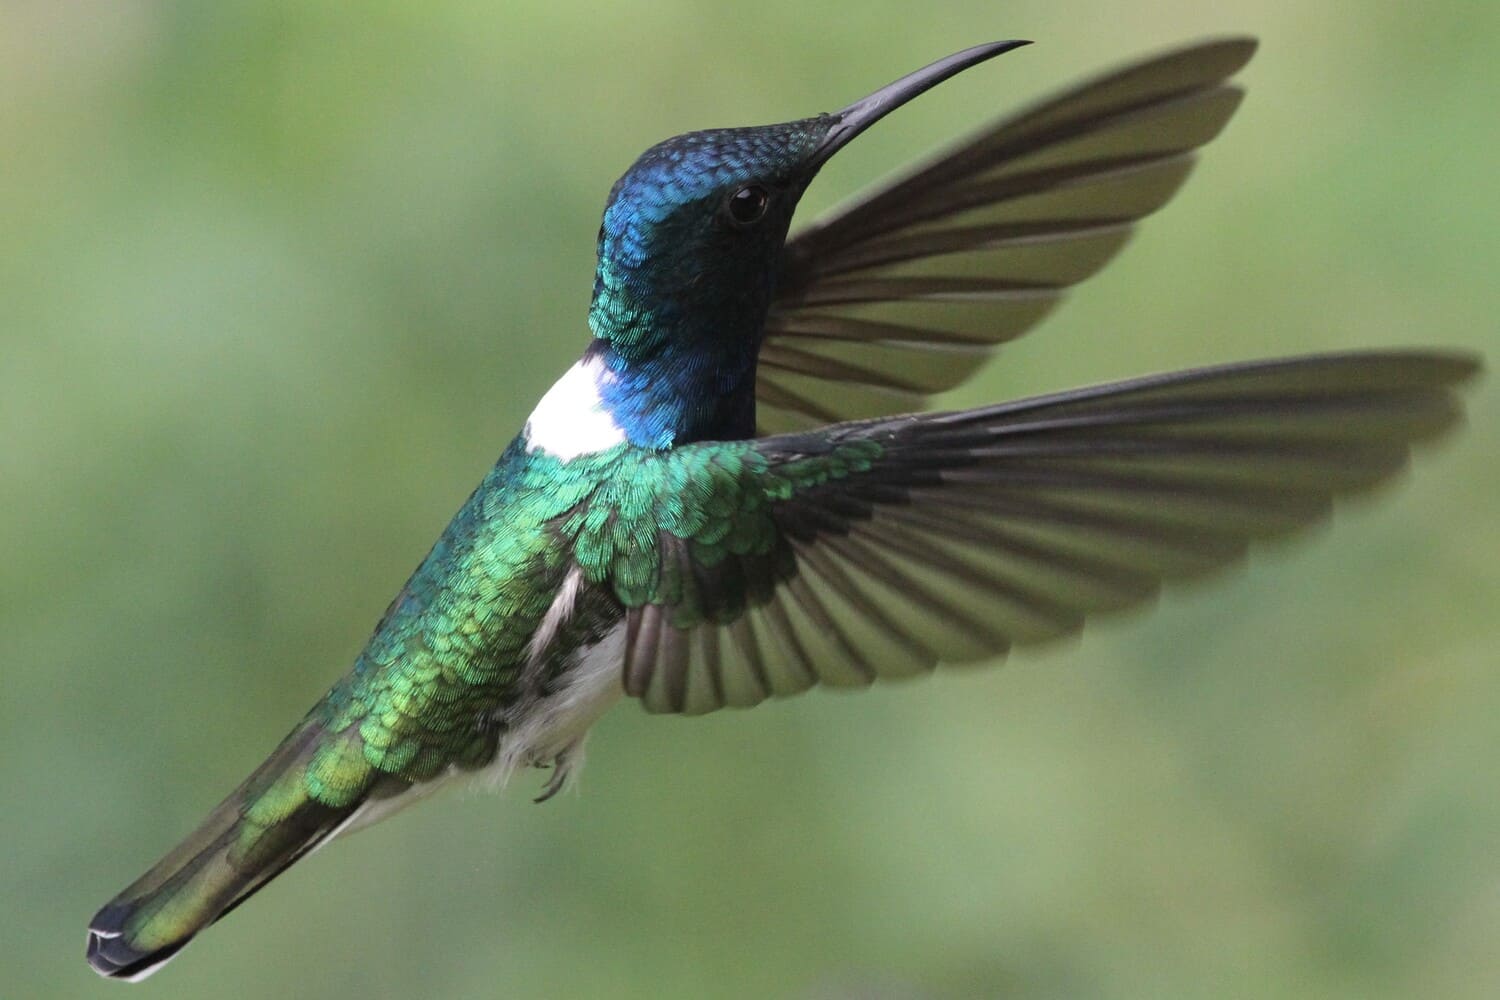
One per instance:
(735, 494)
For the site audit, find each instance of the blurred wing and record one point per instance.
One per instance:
(951, 537)
(906, 291)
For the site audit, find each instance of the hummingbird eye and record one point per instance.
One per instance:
(748, 205)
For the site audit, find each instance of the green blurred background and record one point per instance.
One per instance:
(278, 280)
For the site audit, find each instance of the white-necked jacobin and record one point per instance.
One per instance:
(717, 505)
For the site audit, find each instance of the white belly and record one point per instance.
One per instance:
(560, 722)
(550, 728)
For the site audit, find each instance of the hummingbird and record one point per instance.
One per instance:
(735, 494)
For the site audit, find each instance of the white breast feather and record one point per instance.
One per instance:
(571, 419)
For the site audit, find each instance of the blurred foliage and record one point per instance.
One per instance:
(279, 278)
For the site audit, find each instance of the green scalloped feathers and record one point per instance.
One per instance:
(693, 529)
(690, 528)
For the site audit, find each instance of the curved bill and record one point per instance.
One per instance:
(865, 112)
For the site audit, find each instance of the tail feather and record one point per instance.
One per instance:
(261, 829)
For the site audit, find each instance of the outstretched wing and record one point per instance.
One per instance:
(877, 549)
(906, 291)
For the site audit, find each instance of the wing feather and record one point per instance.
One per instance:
(951, 537)
(975, 246)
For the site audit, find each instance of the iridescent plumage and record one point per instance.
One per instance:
(638, 538)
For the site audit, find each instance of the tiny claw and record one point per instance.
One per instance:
(559, 765)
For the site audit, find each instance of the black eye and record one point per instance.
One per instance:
(748, 204)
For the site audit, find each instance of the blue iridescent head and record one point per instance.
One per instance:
(695, 228)
(689, 251)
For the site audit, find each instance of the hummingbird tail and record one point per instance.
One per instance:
(261, 829)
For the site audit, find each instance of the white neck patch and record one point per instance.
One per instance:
(571, 419)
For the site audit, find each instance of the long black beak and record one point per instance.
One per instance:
(865, 112)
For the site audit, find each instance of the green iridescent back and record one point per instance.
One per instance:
(454, 649)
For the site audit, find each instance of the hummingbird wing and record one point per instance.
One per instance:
(907, 290)
(880, 548)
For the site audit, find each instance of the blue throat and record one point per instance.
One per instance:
(680, 342)
(676, 393)
(664, 405)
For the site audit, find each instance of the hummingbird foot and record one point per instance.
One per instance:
(562, 770)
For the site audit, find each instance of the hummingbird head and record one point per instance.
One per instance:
(698, 221)
(689, 251)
